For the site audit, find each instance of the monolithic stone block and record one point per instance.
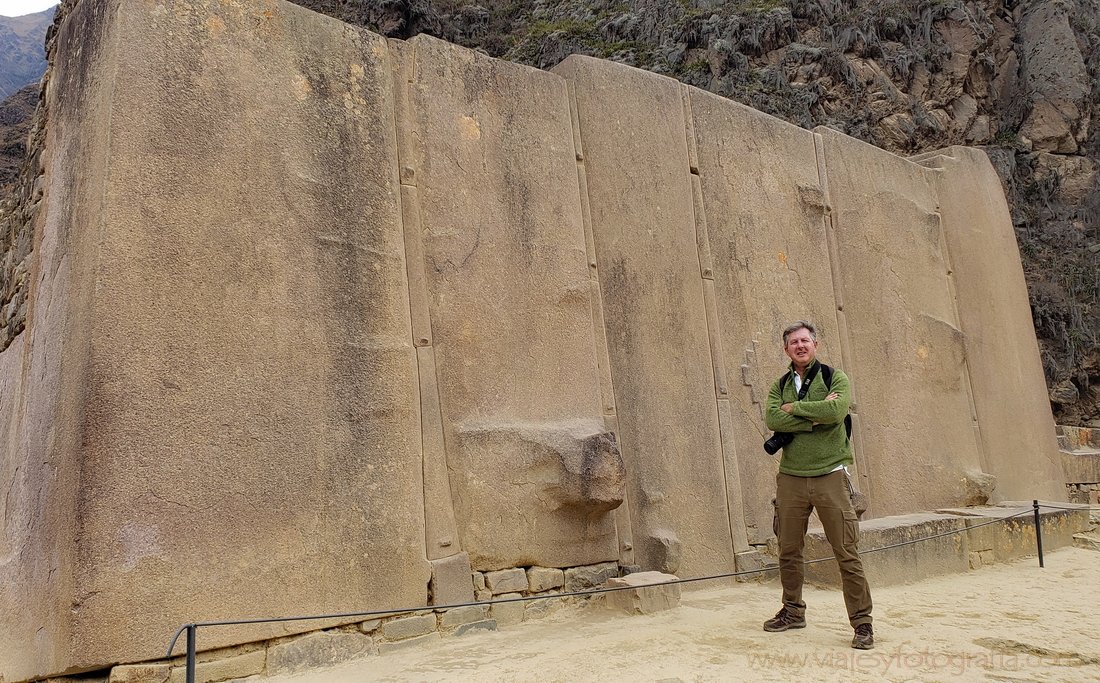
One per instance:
(139, 673)
(590, 474)
(318, 650)
(450, 582)
(1085, 438)
(408, 627)
(761, 564)
(639, 186)
(1017, 429)
(458, 616)
(537, 609)
(644, 597)
(238, 666)
(409, 643)
(209, 340)
(478, 580)
(507, 613)
(544, 578)
(751, 218)
(506, 581)
(898, 280)
(369, 626)
(509, 301)
(582, 578)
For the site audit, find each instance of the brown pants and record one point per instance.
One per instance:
(795, 498)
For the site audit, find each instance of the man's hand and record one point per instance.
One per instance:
(831, 397)
(787, 407)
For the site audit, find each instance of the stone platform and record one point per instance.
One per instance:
(982, 535)
(1079, 448)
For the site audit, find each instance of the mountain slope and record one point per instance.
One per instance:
(15, 120)
(22, 56)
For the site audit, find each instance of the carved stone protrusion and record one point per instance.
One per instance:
(665, 551)
(978, 487)
(575, 464)
(593, 473)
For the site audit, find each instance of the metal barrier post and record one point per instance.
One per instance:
(1038, 531)
(191, 628)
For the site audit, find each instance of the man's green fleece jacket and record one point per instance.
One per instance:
(820, 443)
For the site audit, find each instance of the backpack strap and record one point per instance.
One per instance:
(827, 375)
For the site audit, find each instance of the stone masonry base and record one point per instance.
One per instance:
(985, 535)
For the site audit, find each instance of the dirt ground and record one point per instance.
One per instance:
(1005, 623)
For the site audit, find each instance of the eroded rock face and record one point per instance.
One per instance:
(1055, 76)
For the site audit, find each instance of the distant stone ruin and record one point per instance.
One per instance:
(317, 321)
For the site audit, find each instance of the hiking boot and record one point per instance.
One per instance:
(864, 638)
(784, 620)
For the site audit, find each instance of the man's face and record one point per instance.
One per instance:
(801, 347)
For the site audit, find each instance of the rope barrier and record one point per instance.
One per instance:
(192, 628)
(1080, 506)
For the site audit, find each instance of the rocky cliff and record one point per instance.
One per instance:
(15, 120)
(1018, 79)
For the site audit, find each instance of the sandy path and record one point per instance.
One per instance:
(1010, 622)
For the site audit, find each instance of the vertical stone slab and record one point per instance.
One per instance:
(44, 371)
(534, 471)
(764, 210)
(908, 353)
(441, 532)
(440, 529)
(250, 434)
(639, 187)
(1006, 373)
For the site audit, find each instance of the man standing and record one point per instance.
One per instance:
(812, 474)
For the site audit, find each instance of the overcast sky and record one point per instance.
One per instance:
(15, 8)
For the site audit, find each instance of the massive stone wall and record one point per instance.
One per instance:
(321, 322)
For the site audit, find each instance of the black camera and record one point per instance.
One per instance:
(778, 440)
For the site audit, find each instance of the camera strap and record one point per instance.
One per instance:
(806, 382)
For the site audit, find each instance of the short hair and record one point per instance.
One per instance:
(798, 325)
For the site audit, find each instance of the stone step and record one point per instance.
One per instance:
(971, 547)
(1078, 437)
(1081, 465)
(648, 593)
(1088, 541)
